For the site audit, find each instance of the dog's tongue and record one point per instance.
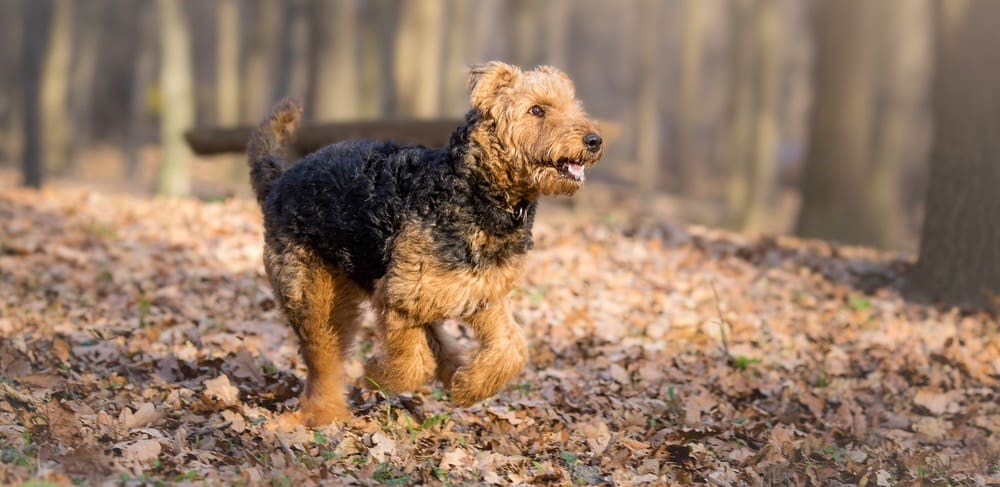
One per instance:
(576, 170)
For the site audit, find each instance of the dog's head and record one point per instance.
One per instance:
(533, 130)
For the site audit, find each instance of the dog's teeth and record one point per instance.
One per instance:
(576, 170)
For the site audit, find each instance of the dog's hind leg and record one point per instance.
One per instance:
(323, 309)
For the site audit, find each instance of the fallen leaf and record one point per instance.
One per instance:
(619, 374)
(455, 457)
(597, 436)
(382, 447)
(145, 415)
(219, 392)
(936, 403)
(138, 451)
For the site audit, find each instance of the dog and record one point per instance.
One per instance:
(423, 234)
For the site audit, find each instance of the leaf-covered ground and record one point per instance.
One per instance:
(141, 344)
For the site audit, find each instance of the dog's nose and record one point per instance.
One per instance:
(592, 141)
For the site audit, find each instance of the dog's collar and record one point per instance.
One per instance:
(518, 210)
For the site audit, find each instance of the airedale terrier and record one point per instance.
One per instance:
(424, 234)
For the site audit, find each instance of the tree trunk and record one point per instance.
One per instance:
(419, 57)
(381, 20)
(766, 126)
(84, 75)
(227, 72)
(227, 78)
(527, 32)
(142, 78)
(335, 92)
(690, 168)
(959, 259)
(556, 33)
(296, 34)
(55, 87)
(902, 92)
(11, 107)
(488, 37)
(177, 114)
(259, 63)
(457, 59)
(649, 117)
(836, 204)
(742, 109)
(35, 30)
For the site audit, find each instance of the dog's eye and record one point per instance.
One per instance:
(537, 111)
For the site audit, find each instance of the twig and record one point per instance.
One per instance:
(722, 323)
(208, 429)
(11, 393)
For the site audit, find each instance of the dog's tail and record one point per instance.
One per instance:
(267, 149)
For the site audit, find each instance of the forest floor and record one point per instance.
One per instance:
(141, 344)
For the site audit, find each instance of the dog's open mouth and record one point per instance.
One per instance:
(571, 169)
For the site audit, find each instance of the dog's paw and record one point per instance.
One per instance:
(467, 388)
(313, 417)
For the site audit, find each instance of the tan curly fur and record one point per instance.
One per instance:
(525, 129)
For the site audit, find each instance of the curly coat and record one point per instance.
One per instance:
(424, 234)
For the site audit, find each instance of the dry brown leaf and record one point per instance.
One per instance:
(219, 392)
(597, 435)
(937, 403)
(455, 457)
(144, 415)
(382, 447)
(141, 451)
(619, 374)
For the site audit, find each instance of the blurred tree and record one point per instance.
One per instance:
(741, 51)
(177, 108)
(227, 53)
(838, 193)
(457, 57)
(334, 92)
(379, 47)
(527, 28)
(142, 78)
(260, 59)
(690, 168)
(901, 95)
(227, 77)
(959, 259)
(419, 57)
(84, 75)
(556, 33)
(11, 119)
(36, 27)
(648, 103)
(294, 65)
(55, 87)
(763, 149)
(489, 34)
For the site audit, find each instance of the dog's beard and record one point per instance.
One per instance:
(555, 181)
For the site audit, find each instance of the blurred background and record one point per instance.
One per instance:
(807, 117)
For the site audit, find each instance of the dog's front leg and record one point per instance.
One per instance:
(502, 354)
(406, 361)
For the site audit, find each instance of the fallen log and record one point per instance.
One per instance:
(428, 132)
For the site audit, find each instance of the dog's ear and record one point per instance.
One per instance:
(487, 80)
